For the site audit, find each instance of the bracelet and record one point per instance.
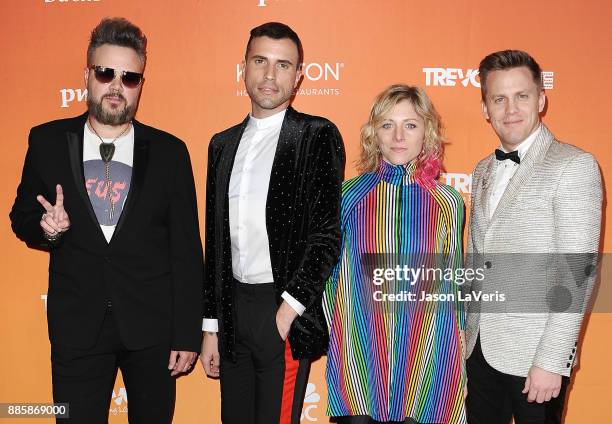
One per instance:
(52, 237)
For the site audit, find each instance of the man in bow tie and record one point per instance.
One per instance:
(536, 213)
(114, 202)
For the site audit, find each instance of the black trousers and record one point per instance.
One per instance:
(84, 379)
(265, 385)
(495, 397)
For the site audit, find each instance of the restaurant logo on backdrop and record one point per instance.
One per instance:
(451, 77)
(317, 77)
(70, 95)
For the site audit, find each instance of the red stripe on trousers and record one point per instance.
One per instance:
(291, 369)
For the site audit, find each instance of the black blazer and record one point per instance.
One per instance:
(302, 219)
(152, 268)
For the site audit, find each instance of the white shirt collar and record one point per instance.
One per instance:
(526, 144)
(270, 121)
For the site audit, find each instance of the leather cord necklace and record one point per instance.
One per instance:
(107, 150)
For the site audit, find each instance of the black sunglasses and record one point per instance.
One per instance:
(106, 75)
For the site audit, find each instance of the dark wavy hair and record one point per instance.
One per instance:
(117, 32)
(276, 31)
(507, 59)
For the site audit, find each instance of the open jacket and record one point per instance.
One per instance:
(152, 268)
(302, 219)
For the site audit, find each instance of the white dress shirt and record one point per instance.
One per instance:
(505, 170)
(247, 195)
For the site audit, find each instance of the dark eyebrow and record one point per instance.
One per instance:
(257, 56)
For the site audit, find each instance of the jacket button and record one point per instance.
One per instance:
(488, 264)
(107, 259)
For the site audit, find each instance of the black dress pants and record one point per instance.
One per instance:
(264, 385)
(84, 379)
(495, 397)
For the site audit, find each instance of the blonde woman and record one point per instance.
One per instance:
(391, 361)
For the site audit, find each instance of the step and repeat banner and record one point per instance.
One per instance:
(353, 50)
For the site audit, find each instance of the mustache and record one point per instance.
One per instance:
(114, 94)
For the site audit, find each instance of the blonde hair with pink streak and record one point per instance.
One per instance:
(429, 161)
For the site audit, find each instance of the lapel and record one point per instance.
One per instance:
(284, 157)
(139, 169)
(488, 178)
(226, 163)
(74, 135)
(532, 158)
(280, 187)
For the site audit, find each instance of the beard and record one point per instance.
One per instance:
(110, 117)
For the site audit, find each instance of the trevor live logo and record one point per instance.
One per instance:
(451, 77)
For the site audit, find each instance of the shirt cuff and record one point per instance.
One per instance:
(297, 306)
(211, 325)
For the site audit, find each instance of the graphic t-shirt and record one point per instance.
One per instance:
(106, 199)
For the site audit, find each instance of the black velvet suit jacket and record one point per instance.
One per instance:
(152, 268)
(302, 219)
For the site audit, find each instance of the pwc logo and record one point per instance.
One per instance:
(311, 402)
(451, 77)
(119, 402)
(69, 95)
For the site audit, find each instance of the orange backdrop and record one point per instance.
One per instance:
(353, 49)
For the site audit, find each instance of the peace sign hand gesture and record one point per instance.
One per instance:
(55, 220)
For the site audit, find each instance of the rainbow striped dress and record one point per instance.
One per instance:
(395, 359)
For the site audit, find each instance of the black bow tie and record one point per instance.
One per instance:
(513, 156)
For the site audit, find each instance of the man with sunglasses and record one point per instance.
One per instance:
(272, 237)
(114, 202)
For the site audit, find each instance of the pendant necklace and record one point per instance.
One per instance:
(107, 150)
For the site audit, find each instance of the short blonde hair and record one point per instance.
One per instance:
(429, 161)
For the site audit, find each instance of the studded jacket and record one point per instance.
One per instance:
(302, 218)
